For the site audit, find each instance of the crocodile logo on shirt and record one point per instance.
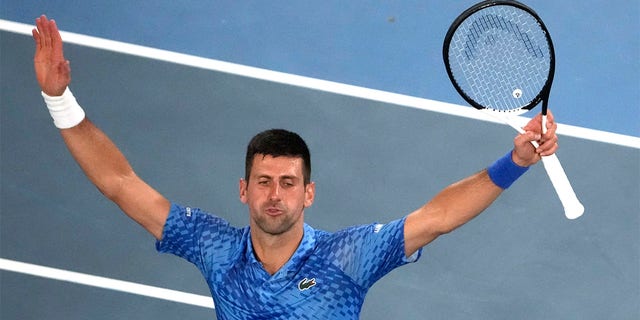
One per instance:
(305, 284)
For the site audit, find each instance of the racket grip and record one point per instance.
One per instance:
(572, 207)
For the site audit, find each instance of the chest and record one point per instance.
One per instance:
(310, 289)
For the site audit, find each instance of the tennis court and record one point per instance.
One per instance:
(183, 121)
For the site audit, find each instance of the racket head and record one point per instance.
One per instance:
(499, 56)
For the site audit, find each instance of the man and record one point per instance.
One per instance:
(277, 267)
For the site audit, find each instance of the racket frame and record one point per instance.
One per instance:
(572, 206)
(543, 95)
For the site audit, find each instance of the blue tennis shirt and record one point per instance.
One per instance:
(326, 278)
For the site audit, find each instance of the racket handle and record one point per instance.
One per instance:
(572, 207)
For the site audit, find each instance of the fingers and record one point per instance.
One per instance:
(548, 147)
(37, 32)
(36, 37)
(53, 72)
(549, 141)
(56, 38)
(49, 46)
(46, 33)
(551, 123)
(549, 115)
(43, 27)
(535, 124)
(523, 141)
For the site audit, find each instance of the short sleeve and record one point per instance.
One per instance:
(197, 236)
(369, 252)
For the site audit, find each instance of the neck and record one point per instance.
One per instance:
(273, 251)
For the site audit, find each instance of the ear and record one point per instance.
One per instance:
(309, 194)
(243, 190)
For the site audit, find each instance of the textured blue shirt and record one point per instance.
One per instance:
(327, 277)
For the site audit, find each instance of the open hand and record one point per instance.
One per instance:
(52, 70)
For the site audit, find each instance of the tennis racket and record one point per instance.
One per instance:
(500, 58)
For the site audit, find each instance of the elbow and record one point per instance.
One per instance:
(446, 219)
(445, 227)
(444, 222)
(114, 187)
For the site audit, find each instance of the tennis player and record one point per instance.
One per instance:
(277, 267)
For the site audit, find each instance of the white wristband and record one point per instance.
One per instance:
(64, 109)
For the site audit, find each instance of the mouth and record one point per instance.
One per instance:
(273, 211)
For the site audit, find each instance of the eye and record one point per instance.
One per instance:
(287, 183)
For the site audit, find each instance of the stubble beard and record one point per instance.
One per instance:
(276, 225)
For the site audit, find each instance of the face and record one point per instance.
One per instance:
(276, 194)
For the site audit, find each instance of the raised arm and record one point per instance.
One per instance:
(97, 155)
(465, 199)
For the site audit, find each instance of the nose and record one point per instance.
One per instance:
(274, 192)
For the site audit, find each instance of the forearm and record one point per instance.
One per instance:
(452, 207)
(98, 156)
(460, 202)
(106, 166)
(108, 169)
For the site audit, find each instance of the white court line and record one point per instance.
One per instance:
(312, 83)
(106, 283)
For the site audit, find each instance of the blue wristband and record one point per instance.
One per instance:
(505, 172)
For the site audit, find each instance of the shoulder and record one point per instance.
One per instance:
(203, 238)
(371, 229)
(194, 222)
(358, 235)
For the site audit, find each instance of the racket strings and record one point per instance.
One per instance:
(492, 21)
(499, 57)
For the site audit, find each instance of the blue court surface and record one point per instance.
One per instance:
(182, 86)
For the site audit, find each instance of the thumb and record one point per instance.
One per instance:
(524, 152)
(526, 138)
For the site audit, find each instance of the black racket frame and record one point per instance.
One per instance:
(544, 93)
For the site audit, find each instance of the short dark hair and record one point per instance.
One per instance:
(276, 143)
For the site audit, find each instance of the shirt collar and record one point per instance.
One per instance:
(301, 254)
